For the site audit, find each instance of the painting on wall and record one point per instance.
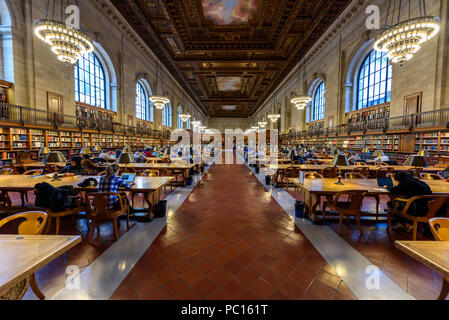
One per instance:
(230, 12)
(229, 83)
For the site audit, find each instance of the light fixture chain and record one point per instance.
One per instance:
(388, 14)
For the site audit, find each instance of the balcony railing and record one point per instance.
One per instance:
(26, 116)
(424, 120)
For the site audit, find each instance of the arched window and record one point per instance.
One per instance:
(167, 116)
(188, 124)
(6, 45)
(90, 81)
(180, 123)
(374, 81)
(318, 103)
(141, 102)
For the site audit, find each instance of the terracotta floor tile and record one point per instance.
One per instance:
(204, 287)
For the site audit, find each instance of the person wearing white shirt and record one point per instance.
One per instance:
(382, 159)
(105, 156)
(354, 157)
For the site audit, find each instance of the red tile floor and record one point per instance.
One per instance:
(231, 240)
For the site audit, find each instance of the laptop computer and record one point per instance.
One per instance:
(301, 177)
(129, 177)
(385, 182)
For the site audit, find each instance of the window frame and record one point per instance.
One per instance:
(140, 88)
(318, 105)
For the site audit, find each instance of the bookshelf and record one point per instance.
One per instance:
(20, 138)
(378, 112)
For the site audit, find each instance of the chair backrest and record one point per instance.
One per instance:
(6, 171)
(329, 172)
(355, 198)
(440, 228)
(37, 172)
(33, 225)
(354, 175)
(97, 202)
(150, 173)
(361, 164)
(383, 172)
(313, 175)
(291, 172)
(415, 172)
(363, 170)
(431, 176)
(436, 203)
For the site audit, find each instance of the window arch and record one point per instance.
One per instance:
(180, 123)
(167, 116)
(318, 103)
(188, 124)
(141, 102)
(90, 81)
(6, 43)
(374, 80)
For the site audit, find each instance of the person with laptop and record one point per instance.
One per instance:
(105, 156)
(110, 183)
(75, 168)
(408, 187)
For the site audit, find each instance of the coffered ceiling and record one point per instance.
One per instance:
(230, 54)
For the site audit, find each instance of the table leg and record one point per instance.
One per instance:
(444, 290)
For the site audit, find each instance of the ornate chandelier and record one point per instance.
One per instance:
(402, 40)
(185, 117)
(274, 117)
(68, 43)
(263, 124)
(159, 101)
(301, 101)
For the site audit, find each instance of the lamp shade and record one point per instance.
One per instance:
(126, 158)
(44, 151)
(365, 150)
(85, 151)
(416, 161)
(55, 156)
(424, 153)
(378, 153)
(127, 149)
(340, 160)
(97, 149)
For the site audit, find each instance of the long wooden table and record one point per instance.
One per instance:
(313, 189)
(433, 254)
(21, 256)
(278, 170)
(162, 168)
(150, 187)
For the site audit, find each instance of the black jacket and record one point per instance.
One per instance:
(55, 199)
(412, 188)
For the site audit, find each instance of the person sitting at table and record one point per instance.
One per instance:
(88, 164)
(110, 183)
(148, 153)
(105, 156)
(75, 168)
(408, 187)
(139, 157)
(384, 158)
(354, 157)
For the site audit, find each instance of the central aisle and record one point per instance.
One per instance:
(231, 240)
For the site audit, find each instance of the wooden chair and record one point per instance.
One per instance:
(6, 171)
(440, 230)
(291, 176)
(33, 225)
(383, 172)
(436, 202)
(363, 170)
(66, 213)
(355, 175)
(352, 207)
(360, 164)
(31, 173)
(415, 172)
(329, 172)
(382, 164)
(431, 176)
(97, 211)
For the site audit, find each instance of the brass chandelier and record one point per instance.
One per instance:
(69, 44)
(404, 38)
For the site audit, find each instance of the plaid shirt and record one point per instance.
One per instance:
(111, 185)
